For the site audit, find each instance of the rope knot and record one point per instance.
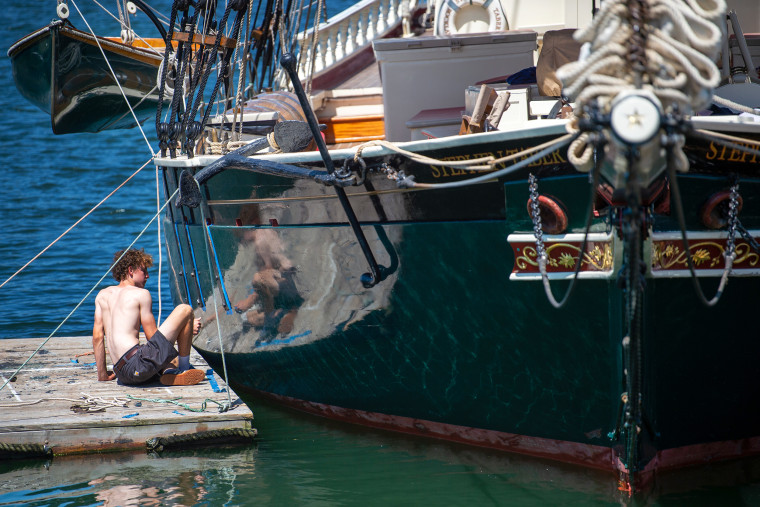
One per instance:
(273, 143)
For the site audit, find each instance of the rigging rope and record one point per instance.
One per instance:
(75, 223)
(124, 26)
(213, 293)
(552, 147)
(113, 74)
(90, 291)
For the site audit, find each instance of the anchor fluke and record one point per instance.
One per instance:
(288, 136)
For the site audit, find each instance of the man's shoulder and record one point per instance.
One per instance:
(136, 292)
(106, 292)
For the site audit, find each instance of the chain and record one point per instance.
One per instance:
(535, 214)
(733, 221)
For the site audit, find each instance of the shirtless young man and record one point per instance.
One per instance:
(121, 309)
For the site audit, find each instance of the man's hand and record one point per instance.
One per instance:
(108, 376)
(196, 326)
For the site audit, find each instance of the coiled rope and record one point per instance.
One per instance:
(158, 444)
(681, 44)
(8, 450)
(665, 46)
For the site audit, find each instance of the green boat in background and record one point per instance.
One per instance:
(69, 74)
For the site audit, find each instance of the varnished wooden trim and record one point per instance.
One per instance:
(207, 40)
(135, 53)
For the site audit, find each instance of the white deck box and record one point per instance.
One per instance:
(433, 72)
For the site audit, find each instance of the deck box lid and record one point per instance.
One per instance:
(452, 41)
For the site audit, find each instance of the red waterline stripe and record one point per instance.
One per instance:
(592, 456)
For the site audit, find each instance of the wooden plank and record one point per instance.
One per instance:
(47, 403)
(368, 77)
(207, 40)
(353, 129)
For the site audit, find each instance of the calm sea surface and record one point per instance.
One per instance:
(48, 182)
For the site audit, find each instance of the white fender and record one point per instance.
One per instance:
(469, 16)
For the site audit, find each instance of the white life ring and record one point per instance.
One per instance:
(469, 16)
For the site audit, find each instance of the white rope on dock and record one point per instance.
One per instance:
(87, 400)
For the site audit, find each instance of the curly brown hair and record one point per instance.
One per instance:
(132, 259)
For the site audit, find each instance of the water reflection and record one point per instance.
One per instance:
(292, 286)
(125, 479)
(273, 302)
(303, 460)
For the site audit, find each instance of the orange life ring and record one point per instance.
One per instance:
(714, 212)
(470, 16)
(553, 216)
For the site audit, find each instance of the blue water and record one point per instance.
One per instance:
(48, 182)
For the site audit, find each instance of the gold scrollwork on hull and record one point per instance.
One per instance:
(668, 255)
(560, 257)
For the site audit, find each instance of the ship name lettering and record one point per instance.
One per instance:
(439, 171)
(723, 153)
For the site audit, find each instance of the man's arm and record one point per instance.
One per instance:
(98, 345)
(147, 320)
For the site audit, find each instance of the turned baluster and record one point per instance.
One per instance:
(381, 23)
(340, 41)
(350, 46)
(370, 32)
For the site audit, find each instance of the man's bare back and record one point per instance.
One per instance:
(120, 311)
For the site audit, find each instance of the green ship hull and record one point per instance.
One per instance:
(459, 341)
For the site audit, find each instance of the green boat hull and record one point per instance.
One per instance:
(63, 72)
(459, 340)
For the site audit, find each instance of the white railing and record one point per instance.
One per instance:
(344, 35)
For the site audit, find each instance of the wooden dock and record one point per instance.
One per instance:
(57, 404)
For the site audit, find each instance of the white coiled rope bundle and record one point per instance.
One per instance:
(680, 45)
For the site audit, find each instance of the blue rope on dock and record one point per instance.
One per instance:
(212, 382)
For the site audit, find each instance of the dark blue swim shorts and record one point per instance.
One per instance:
(147, 361)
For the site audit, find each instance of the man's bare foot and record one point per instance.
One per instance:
(173, 377)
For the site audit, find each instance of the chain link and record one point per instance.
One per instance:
(535, 214)
(733, 221)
